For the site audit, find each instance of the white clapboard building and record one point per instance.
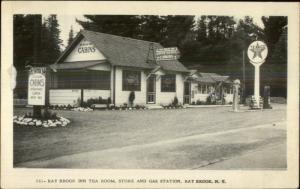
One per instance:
(97, 65)
(102, 65)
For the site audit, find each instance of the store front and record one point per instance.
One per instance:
(104, 66)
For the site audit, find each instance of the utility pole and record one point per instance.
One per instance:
(244, 78)
(36, 46)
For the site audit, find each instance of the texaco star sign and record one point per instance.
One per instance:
(257, 52)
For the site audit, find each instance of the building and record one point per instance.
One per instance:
(102, 65)
(204, 85)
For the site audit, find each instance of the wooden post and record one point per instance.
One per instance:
(36, 44)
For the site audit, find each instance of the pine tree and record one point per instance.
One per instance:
(274, 27)
(122, 25)
(202, 28)
(71, 36)
(153, 28)
(178, 29)
(50, 41)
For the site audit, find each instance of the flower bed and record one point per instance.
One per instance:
(81, 109)
(28, 121)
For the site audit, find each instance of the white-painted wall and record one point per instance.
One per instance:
(64, 96)
(196, 95)
(165, 98)
(90, 93)
(123, 96)
(229, 98)
(78, 55)
(140, 96)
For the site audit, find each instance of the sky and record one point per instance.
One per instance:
(66, 21)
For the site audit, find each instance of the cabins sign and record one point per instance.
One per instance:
(37, 86)
(171, 53)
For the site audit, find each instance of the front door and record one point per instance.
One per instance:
(151, 89)
(187, 93)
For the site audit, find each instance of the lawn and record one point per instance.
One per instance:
(99, 130)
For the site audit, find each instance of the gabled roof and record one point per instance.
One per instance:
(208, 77)
(124, 51)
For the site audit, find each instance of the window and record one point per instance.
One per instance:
(84, 80)
(131, 80)
(168, 83)
(202, 88)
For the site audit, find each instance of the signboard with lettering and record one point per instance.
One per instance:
(37, 86)
(84, 51)
(171, 53)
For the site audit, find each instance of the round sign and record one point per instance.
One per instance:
(257, 52)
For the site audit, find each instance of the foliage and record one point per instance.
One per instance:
(71, 36)
(175, 101)
(131, 98)
(34, 43)
(122, 25)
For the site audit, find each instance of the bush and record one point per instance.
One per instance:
(198, 102)
(175, 101)
(211, 99)
(193, 103)
(131, 98)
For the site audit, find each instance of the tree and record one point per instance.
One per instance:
(153, 28)
(50, 40)
(71, 36)
(122, 25)
(274, 27)
(35, 43)
(202, 28)
(24, 39)
(178, 29)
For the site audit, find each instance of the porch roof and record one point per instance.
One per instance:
(76, 65)
(208, 77)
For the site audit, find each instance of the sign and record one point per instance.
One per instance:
(257, 52)
(84, 51)
(171, 53)
(86, 47)
(37, 86)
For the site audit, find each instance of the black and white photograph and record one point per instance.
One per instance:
(190, 92)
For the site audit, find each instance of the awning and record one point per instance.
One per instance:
(75, 65)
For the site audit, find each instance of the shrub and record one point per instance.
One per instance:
(211, 99)
(198, 102)
(193, 103)
(131, 98)
(137, 106)
(175, 101)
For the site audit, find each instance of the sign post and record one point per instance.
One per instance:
(36, 89)
(257, 54)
